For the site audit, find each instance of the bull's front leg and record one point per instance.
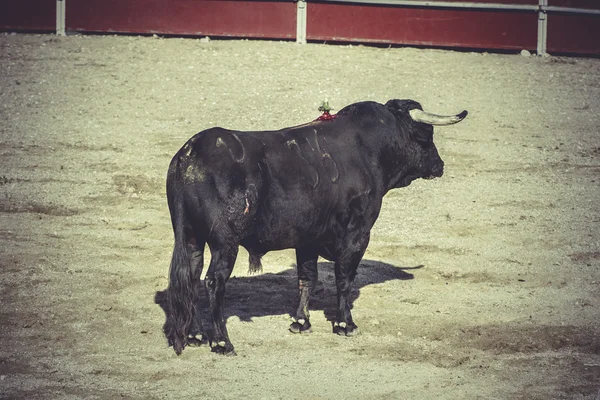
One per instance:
(306, 260)
(345, 272)
(344, 277)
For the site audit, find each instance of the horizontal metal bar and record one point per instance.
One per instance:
(443, 4)
(471, 5)
(570, 10)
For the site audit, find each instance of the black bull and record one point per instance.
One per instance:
(317, 188)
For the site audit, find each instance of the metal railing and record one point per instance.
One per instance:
(542, 9)
(542, 6)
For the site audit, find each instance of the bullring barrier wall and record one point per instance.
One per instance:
(553, 26)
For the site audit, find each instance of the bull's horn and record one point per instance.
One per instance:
(434, 119)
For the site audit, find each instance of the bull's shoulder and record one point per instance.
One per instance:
(363, 109)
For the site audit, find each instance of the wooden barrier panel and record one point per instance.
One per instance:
(524, 2)
(28, 15)
(420, 26)
(567, 31)
(589, 4)
(571, 33)
(260, 19)
(574, 33)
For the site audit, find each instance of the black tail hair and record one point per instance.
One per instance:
(180, 293)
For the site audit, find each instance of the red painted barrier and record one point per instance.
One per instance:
(574, 33)
(571, 33)
(184, 17)
(427, 27)
(590, 4)
(28, 15)
(326, 21)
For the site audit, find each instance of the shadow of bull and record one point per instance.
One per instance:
(272, 294)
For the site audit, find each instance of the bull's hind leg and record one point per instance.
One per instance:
(306, 260)
(221, 265)
(196, 336)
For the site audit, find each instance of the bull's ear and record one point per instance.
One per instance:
(401, 107)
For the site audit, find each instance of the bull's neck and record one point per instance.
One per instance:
(400, 166)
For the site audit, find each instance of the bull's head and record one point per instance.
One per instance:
(417, 127)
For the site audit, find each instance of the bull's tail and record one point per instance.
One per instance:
(182, 282)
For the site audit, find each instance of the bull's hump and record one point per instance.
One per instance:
(312, 124)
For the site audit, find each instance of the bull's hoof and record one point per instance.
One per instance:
(223, 348)
(196, 340)
(345, 329)
(300, 326)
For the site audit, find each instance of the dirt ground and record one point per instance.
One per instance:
(483, 284)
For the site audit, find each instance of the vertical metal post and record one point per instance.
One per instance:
(301, 22)
(542, 37)
(60, 17)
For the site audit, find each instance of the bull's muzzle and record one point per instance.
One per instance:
(436, 172)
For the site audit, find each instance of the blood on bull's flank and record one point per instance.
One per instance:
(316, 188)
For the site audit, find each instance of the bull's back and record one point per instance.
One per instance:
(276, 189)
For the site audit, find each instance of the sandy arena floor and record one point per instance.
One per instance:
(484, 284)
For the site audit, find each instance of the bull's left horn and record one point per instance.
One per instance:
(434, 119)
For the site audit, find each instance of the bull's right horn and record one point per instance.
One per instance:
(434, 119)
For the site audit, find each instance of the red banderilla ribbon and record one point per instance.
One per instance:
(326, 116)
